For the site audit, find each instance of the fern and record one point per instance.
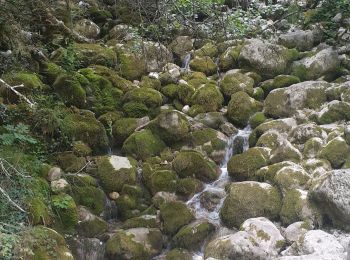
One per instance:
(18, 134)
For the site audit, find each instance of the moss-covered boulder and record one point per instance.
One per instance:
(85, 128)
(39, 212)
(211, 119)
(336, 151)
(297, 207)
(148, 82)
(193, 164)
(284, 102)
(203, 64)
(69, 88)
(147, 96)
(123, 128)
(257, 119)
(51, 71)
(208, 49)
(90, 225)
(191, 236)
(291, 177)
(69, 162)
(325, 62)
(242, 166)
(174, 216)
(281, 81)
(236, 81)
(285, 151)
(178, 253)
(161, 180)
(248, 200)
(170, 126)
(267, 59)
(115, 171)
(143, 144)
(187, 187)
(209, 97)
(181, 45)
(147, 221)
(43, 243)
(312, 147)
(135, 243)
(66, 213)
(304, 132)
(241, 107)
(229, 58)
(267, 173)
(210, 141)
(334, 111)
(131, 65)
(95, 54)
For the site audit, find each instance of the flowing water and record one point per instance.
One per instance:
(237, 144)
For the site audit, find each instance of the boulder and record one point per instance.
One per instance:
(336, 151)
(90, 225)
(248, 200)
(322, 63)
(295, 230)
(291, 177)
(331, 193)
(233, 82)
(208, 97)
(267, 59)
(87, 28)
(203, 64)
(334, 111)
(301, 40)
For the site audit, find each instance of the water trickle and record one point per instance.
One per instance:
(186, 61)
(217, 188)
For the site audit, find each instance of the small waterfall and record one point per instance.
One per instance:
(217, 188)
(186, 62)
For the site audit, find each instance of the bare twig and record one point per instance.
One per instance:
(10, 200)
(13, 89)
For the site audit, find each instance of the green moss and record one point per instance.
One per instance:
(99, 15)
(174, 215)
(42, 243)
(87, 129)
(135, 109)
(147, 96)
(122, 129)
(110, 118)
(51, 71)
(123, 246)
(193, 164)
(291, 177)
(249, 200)
(147, 82)
(291, 207)
(258, 94)
(191, 237)
(81, 149)
(112, 179)
(70, 162)
(229, 59)
(203, 64)
(242, 166)
(301, 72)
(148, 221)
(68, 87)
(185, 93)
(187, 187)
(208, 96)
(170, 91)
(208, 49)
(336, 111)
(257, 119)
(235, 82)
(177, 253)
(39, 212)
(93, 227)
(267, 174)
(336, 151)
(66, 213)
(143, 144)
(89, 53)
(31, 81)
(196, 109)
(131, 66)
(263, 235)
(241, 107)
(90, 197)
(162, 180)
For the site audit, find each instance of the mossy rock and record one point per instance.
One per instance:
(258, 94)
(285, 151)
(191, 236)
(242, 166)
(312, 147)
(267, 173)
(170, 90)
(30, 80)
(241, 107)
(43, 243)
(178, 253)
(208, 49)
(187, 187)
(229, 59)
(257, 119)
(175, 215)
(333, 112)
(87, 129)
(147, 221)
(143, 144)
(193, 164)
(249, 200)
(336, 151)
(66, 213)
(208, 96)
(116, 80)
(95, 54)
(109, 118)
(136, 243)
(131, 65)
(195, 110)
(281, 81)
(195, 79)
(291, 177)
(203, 64)
(39, 212)
(81, 149)
(114, 172)
(270, 139)
(122, 129)
(185, 93)
(147, 96)
(170, 126)
(70, 162)
(135, 109)
(99, 15)
(51, 71)
(234, 82)
(89, 196)
(69, 88)
(148, 82)
(162, 180)
(90, 225)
